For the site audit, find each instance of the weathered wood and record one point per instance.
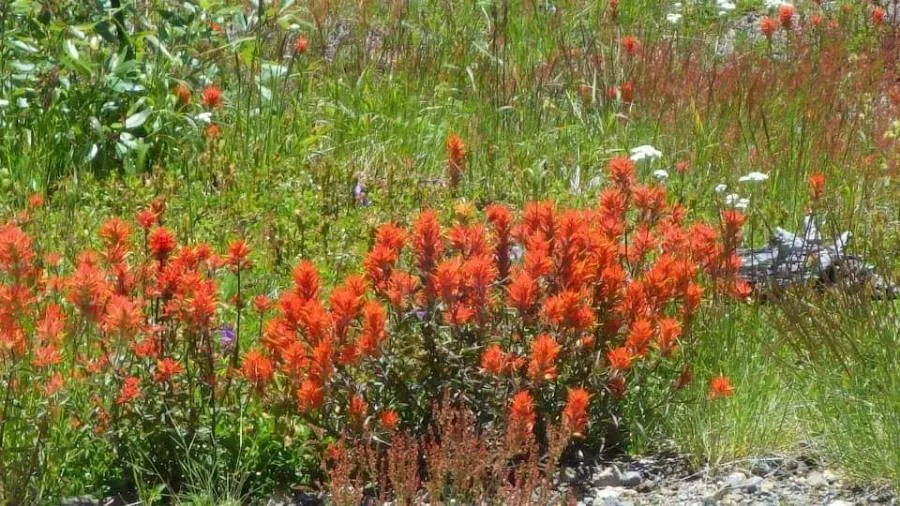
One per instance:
(794, 259)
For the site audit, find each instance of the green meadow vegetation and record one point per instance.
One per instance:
(250, 246)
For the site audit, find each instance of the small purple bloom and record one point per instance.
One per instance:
(420, 314)
(226, 337)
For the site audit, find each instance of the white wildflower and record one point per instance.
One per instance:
(743, 203)
(673, 17)
(3, 103)
(661, 174)
(22, 102)
(753, 177)
(774, 4)
(204, 117)
(725, 5)
(643, 152)
(720, 188)
(732, 199)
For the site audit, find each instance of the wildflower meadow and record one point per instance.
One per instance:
(449, 252)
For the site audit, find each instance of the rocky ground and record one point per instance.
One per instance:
(760, 481)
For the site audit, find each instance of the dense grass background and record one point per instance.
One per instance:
(524, 83)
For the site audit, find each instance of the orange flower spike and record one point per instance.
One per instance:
(456, 159)
(131, 390)
(767, 26)
(211, 97)
(816, 185)
(306, 280)
(630, 44)
(500, 218)
(575, 414)
(357, 409)
(669, 332)
(619, 358)
(389, 420)
(161, 243)
(238, 253)
(310, 396)
(786, 16)
(390, 236)
(373, 331)
(878, 16)
(544, 351)
(167, 369)
(522, 293)
(639, 336)
(46, 356)
(522, 417)
(720, 386)
(621, 172)
(428, 242)
(257, 369)
(115, 231)
(493, 360)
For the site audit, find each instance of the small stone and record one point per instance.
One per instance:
(605, 493)
(629, 479)
(752, 484)
(815, 479)
(735, 479)
(569, 474)
(830, 476)
(767, 486)
(880, 497)
(606, 478)
(839, 502)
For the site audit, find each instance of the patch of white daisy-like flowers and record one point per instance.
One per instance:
(735, 200)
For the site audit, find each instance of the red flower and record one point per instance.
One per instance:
(131, 390)
(183, 93)
(161, 242)
(238, 251)
(521, 417)
(257, 369)
(213, 131)
(262, 304)
(35, 200)
(816, 185)
(720, 386)
(456, 158)
(544, 351)
(493, 360)
(123, 316)
(146, 218)
(357, 409)
(767, 26)
(211, 97)
(306, 280)
(389, 419)
(621, 172)
(878, 16)
(46, 356)
(167, 369)
(522, 293)
(630, 44)
(627, 92)
(575, 417)
(427, 241)
(373, 329)
(301, 44)
(310, 395)
(639, 335)
(786, 16)
(619, 358)
(669, 332)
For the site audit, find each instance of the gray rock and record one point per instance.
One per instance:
(752, 484)
(81, 501)
(839, 502)
(606, 478)
(735, 480)
(815, 479)
(629, 478)
(830, 476)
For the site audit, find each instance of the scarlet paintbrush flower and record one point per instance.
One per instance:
(306, 280)
(373, 328)
(161, 242)
(669, 332)
(390, 236)
(15, 250)
(238, 251)
(46, 356)
(521, 418)
(630, 44)
(357, 409)
(544, 351)
(167, 369)
(767, 26)
(568, 310)
(493, 360)
(131, 390)
(146, 218)
(122, 317)
(212, 132)
(378, 264)
(639, 335)
(786, 16)
(401, 288)
(575, 416)
(183, 94)
(257, 369)
(427, 243)
(816, 185)
(389, 420)
(456, 158)
(626, 92)
(682, 166)
(619, 358)
(310, 395)
(35, 200)
(720, 386)
(262, 304)
(301, 44)
(51, 324)
(211, 97)
(500, 218)
(878, 16)
(114, 231)
(621, 172)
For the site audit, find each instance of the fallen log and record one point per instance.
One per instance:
(805, 259)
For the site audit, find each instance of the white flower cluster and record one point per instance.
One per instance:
(735, 200)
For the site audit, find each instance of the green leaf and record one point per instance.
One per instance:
(137, 119)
